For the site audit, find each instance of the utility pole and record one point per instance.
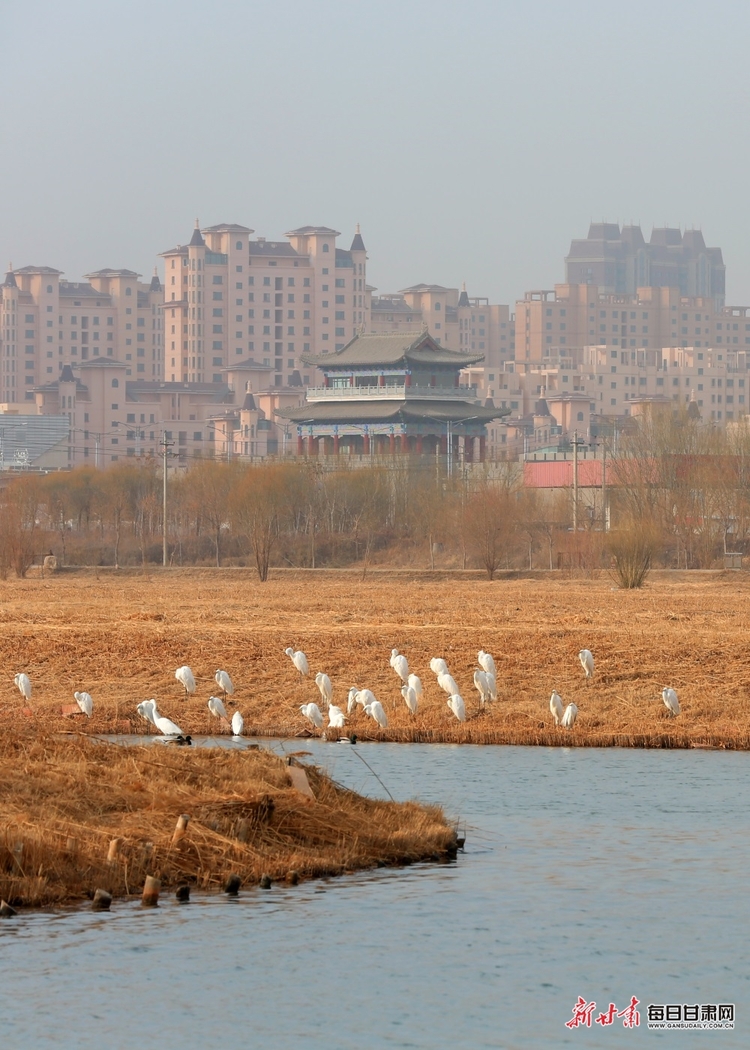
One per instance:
(575, 481)
(604, 485)
(165, 446)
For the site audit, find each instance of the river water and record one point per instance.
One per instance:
(605, 874)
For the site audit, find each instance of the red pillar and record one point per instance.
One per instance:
(468, 449)
(392, 444)
(300, 445)
(419, 444)
(482, 448)
(404, 443)
(366, 444)
(312, 446)
(335, 444)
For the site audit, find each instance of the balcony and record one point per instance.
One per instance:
(390, 393)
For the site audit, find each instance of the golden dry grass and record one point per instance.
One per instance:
(63, 801)
(121, 636)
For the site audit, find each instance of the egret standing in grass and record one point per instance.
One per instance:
(486, 662)
(186, 678)
(238, 724)
(556, 707)
(312, 714)
(85, 702)
(587, 662)
(323, 683)
(224, 683)
(482, 685)
(457, 706)
(672, 704)
(438, 665)
(416, 684)
(409, 694)
(351, 701)
(569, 716)
(24, 685)
(447, 683)
(165, 725)
(375, 710)
(400, 665)
(336, 718)
(145, 710)
(216, 707)
(299, 660)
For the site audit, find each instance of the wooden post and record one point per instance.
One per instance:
(181, 828)
(232, 885)
(113, 854)
(102, 900)
(151, 889)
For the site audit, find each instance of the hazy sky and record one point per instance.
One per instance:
(471, 140)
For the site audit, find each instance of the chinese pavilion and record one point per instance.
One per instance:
(396, 391)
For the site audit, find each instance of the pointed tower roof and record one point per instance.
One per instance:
(10, 278)
(196, 241)
(66, 376)
(155, 285)
(463, 299)
(358, 245)
(248, 405)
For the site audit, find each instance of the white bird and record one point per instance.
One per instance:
(216, 707)
(312, 714)
(416, 684)
(224, 683)
(351, 702)
(482, 684)
(164, 725)
(185, 676)
(375, 710)
(569, 716)
(85, 702)
(587, 662)
(299, 660)
(486, 662)
(556, 706)
(409, 694)
(448, 683)
(238, 724)
(24, 685)
(323, 683)
(457, 706)
(146, 710)
(672, 704)
(438, 665)
(336, 717)
(492, 683)
(365, 697)
(400, 665)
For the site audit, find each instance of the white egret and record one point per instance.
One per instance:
(365, 697)
(336, 717)
(457, 706)
(323, 683)
(400, 665)
(224, 683)
(216, 707)
(486, 662)
(375, 710)
(186, 677)
(438, 665)
(447, 683)
(556, 707)
(492, 683)
(312, 714)
(351, 702)
(482, 684)
(163, 724)
(85, 702)
(569, 716)
(238, 724)
(410, 696)
(587, 662)
(416, 684)
(146, 710)
(24, 685)
(299, 660)
(672, 704)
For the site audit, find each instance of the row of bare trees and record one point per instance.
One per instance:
(678, 495)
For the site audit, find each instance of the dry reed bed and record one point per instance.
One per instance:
(62, 802)
(121, 637)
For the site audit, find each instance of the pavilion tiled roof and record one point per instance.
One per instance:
(390, 348)
(385, 411)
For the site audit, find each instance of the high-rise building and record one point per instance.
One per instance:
(618, 262)
(228, 298)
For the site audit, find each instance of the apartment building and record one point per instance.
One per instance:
(619, 262)
(47, 323)
(576, 315)
(228, 298)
